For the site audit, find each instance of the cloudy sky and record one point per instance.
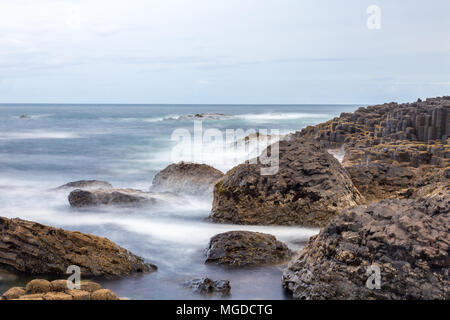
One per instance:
(217, 51)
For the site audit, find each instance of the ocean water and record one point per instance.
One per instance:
(127, 145)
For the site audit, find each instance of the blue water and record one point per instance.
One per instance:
(127, 145)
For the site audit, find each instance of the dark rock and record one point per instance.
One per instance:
(408, 240)
(187, 178)
(206, 286)
(86, 185)
(309, 188)
(32, 248)
(245, 248)
(120, 197)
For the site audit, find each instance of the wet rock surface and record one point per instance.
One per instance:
(245, 248)
(308, 189)
(187, 178)
(207, 287)
(40, 289)
(408, 240)
(36, 249)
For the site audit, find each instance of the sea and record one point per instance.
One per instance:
(43, 146)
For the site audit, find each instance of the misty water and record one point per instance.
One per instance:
(127, 145)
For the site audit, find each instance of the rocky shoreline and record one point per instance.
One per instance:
(386, 207)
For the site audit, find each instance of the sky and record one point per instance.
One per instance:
(223, 52)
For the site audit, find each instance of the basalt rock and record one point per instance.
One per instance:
(86, 185)
(245, 248)
(107, 197)
(404, 242)
(32, 248)
(385, 145)
(309, 187)
(187, 178)
(206, 286)
(40, 289)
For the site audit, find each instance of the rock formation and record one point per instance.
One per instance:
(32, 248)
(206, 286)
(245, 248)
(120, 197)
(393, 144)
(187, 178)
(86, 185)
(309, 188)
(408, 241)
(40, 289)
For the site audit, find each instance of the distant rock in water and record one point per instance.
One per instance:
(407, 241)
(24, 116)
(206, 286)
(86, 185)
(107, 197)
(32, 248)
(187, 178)
(309, 188)
(245, 248)
(40, 289)
(202, 116)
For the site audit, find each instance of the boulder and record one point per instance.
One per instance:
(309, 188)
(86, 185)
(109, 197)
(38, 286)
(14, 293)
(206, 286)
(187, 178)
(33, 248)
(245, 248)
(104, 294)
(405, 243)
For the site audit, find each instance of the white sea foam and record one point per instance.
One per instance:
(38, 134)
(263, 117)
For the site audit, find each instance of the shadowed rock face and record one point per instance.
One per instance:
(206, 286)
(86, 185)
(32, 248)
(122, 197)
(245, 248)
(309, 188)
(408, 240)
(187, 178)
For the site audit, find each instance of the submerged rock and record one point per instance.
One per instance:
(245, 248)
(406, 240)
(86, 185)
(39, 289)
(32, 248)
(124, 197)
(309, 188)
(206, 286)
(187, 178)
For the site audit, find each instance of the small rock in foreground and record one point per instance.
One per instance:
(245, 248)
(206, 286)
